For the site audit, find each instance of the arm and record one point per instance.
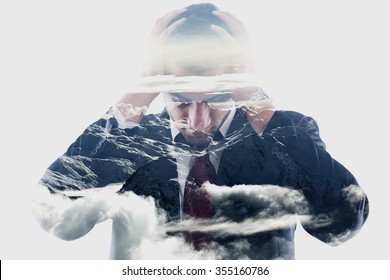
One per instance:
(258, 109)
(66, 201)
(75, 191)
(66, 217)
(107, 150)
(338, 206)
(134, 105)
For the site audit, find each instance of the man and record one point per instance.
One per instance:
(217, 127)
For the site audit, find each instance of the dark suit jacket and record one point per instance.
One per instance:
(289, 153)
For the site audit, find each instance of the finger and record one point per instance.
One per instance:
(228, 17)
(222, 33)
(162, 23)
(170, 29)
(234, 23)
(157, 49)
(236, 26)
(242, 60)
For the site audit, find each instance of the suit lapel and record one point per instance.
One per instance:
(234, 145)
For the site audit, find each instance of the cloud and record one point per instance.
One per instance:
(249, 209)
(170, 83)
(139, 228)
(141, 231)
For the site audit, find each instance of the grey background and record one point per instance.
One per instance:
(63, 63)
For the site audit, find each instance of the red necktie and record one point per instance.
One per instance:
(197, 202)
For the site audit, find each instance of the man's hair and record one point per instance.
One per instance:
(198, 18)
(194, 45)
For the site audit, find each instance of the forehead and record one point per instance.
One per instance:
(197, 96)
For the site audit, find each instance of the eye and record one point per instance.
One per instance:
(178, 100)
(176, 97)
(219, 98)
(221, 101)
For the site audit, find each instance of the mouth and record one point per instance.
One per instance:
(197, 137)
(183, 126)
(199, 133)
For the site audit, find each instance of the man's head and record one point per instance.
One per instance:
(194, 48)
(203, 44)
(198, 17)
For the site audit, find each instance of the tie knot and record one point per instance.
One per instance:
(202, 170)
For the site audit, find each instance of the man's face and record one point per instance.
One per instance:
(198, 115)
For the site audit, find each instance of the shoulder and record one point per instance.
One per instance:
(296, 122)
(290, 118)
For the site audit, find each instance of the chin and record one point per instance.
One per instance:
(198, 139)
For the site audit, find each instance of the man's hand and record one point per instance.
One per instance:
(258, 111)
(244, 61)
(159, 36)
(134, 105)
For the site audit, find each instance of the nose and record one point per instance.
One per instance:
(199, 116)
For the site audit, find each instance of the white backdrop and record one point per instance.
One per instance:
(63, 63)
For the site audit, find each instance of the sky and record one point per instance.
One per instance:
(64, 63)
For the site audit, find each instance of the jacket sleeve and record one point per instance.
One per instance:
(103, 154)
(78, 189)
(337, 205)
